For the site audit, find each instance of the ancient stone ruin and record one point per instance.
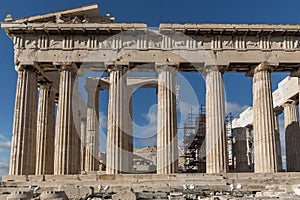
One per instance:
(59, 158)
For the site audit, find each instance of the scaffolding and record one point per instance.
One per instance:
(230, 142)
(194, 141)
(194, 145)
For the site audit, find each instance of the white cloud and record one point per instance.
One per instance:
(235, 108)
(150, 129)
(4, 143)
(4, 166)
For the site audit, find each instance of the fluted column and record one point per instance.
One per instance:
(92, 132)
(216, 150)
(115, 162)
(292, 136)
(45, 130)
(167, 139)
(277, 141)
(129, 131)
(241, 149)
(65, 139)
(265, 158)
(76, 118)
(23, 148)
(83, 143)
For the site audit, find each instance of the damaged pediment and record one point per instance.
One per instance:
(86, 14)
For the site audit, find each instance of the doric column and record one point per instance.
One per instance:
(115, 162)
(23, 148)
(92, 131)
(292, 136)
(216, 150)
(66, 135)
(167, 138)
(241, 149)
(76, 118)
(277, 140)
(83, 143)
(45, 130)
(265, 158)
(129, 130)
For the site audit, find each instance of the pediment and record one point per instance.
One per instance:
(85, 14)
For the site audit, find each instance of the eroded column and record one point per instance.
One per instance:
(216, 150)
(45, 130)
(277, 140)
(265, 158)
(92, 131)
(83, 143)
(115, 161)
(23, 148)
(167, 139)
(66, 135)
(292, 136)
(129, 131)
(76, 136)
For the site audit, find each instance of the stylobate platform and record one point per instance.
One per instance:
(230, 185)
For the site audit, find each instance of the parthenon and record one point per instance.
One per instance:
(56, 133)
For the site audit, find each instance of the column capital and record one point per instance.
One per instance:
(23, 67)
(45, 85)
(249, 127)
(289, 103)
(114, 67)
(91, 84)
(67, 66)
(296, 73)
(212, 68)
(277, 111)
(166, 67)
(263, 67)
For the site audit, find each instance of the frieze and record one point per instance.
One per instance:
(43, 42)
(147, 42)
(264, 43)
(31, 44)
(216, 43)
(240, 42)
(55, 44)
(19, 42)
(68, 42)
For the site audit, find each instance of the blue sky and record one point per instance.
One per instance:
(152, 13)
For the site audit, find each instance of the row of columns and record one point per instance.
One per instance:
(267, 147)
(32, 146)
(119, 137)
(36, 149)
(33, 139)
(292, 139)
(266, 140)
